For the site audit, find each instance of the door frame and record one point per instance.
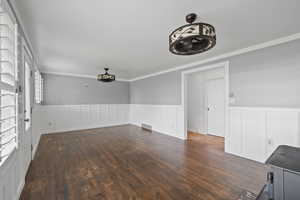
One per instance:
(27, 58)
(184, 74)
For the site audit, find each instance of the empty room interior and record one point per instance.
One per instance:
(149, 100)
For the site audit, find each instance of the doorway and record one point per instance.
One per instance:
(205, 100)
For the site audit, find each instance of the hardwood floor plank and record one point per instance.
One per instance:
(127, 162)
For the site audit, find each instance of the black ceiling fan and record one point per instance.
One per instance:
(192, 38)
(106, 77)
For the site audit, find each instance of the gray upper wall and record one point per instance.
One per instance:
(267, 77)
(163, 89)
(67, 90)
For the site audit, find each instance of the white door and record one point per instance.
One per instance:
(27, 112)
(215, 90)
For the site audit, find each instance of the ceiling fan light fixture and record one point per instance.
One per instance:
(106, 77)
(192, 38)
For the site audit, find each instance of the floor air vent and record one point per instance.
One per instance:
(147, 127)
(247, 196)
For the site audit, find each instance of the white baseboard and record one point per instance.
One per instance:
(34, 151)
(193, 130)
(196, 131)
(169, 134)
(86, 128)
(110, 125)
(159, 131)
(35, 148)
(20, 189)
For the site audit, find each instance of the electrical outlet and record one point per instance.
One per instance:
(270, 141)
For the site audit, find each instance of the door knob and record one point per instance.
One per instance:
(26, 120)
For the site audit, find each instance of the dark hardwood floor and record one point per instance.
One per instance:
(128, 163)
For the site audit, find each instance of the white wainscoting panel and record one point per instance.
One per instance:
(11, 177)
(37, 129)
(235, 137)
(12, 173)
(162, 118)
(61, 118)
(282, 129)
(254, 133)
(254, 137)
(165, 119)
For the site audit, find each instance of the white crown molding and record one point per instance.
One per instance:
(271, 43)
(77, 75)
(226, 55)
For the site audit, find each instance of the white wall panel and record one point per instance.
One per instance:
(37, 129)
(282, 129)
(162, 118)
(235, 129)
(254, 136)
(11, 177)
(60, 118)
(256, 132)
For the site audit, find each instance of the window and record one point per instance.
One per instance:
(8, 77)
(38, 86)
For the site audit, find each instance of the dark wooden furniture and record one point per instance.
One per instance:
(283, 175)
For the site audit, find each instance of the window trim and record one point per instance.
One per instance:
(12, 89)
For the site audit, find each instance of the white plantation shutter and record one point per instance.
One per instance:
(8, 77)
(38, 85)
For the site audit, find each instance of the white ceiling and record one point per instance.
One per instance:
(131, 37)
